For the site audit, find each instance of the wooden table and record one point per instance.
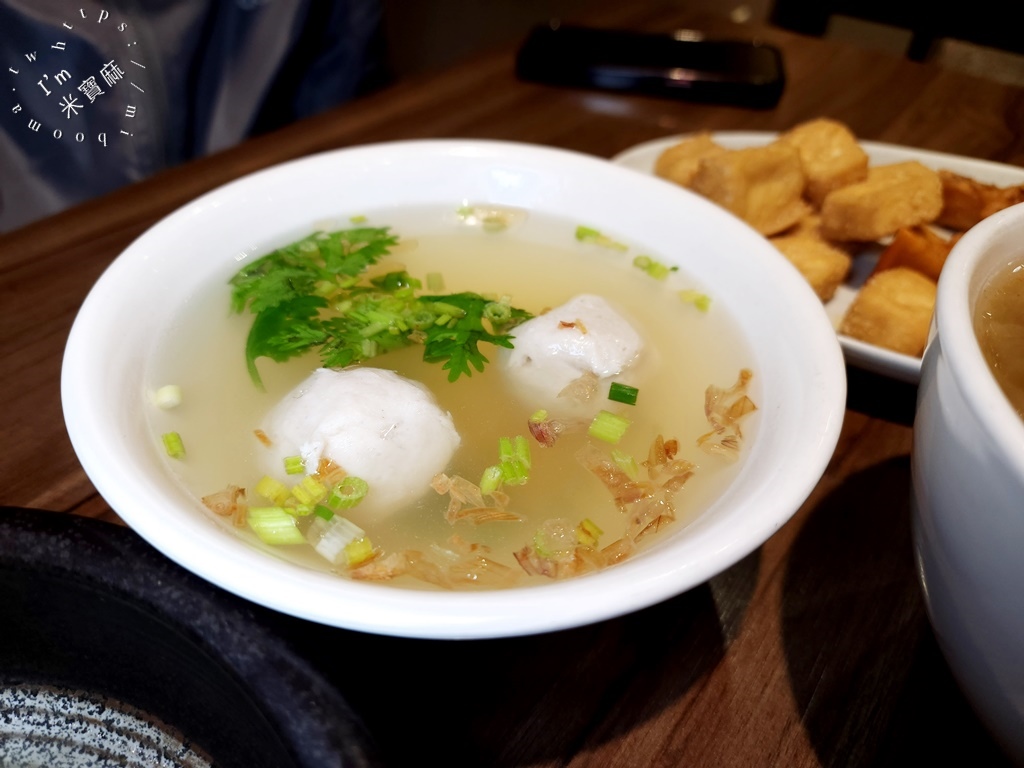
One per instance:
(815, 650)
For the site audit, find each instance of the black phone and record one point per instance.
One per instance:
(743, 73)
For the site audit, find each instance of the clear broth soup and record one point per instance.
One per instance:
(999, 326)
(540, 264)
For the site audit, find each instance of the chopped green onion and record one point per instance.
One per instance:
(309, 491)
(623, 393)
(373, 329)
(173, 445)
(498, 312)
(514, 473)
(505, 452)
(489, 219)
(588, 533)
(358, 551)
(448, 309)
(167, 397)
(626, 463)
(421, 320)
(521, 450)
(274, 525)
(655, 269)
(700, 300)
(491, 480)
(293, 465)
(608, 426)
(349, 492)
(435, 281)
(330, 537)
(494, 223)
(323, 512)
(369, 348)
(272, 490)
(513, 460)
(590, 235)
(539, 416)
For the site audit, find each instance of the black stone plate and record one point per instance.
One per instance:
(89, 606)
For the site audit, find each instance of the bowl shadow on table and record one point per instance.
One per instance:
(880, 396)
(537, 699)
(865, 669)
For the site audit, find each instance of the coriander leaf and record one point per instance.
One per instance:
(351, 251)
(311, 294)
(284, 331)
(299, 268)
(457, 342)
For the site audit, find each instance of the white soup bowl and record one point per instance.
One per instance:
(795, 357)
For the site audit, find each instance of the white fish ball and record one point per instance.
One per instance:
(584, 335)
(375, 424)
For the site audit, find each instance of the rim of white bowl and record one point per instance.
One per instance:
(659, 573)
(973, 260)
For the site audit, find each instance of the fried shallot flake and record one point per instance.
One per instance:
(581, 388)
(330, 474)
(229, 502)
(546, 431)
(382, 568)
(460, 564)
(478, 515)
(578, 560)
(576, 324)
(466, 501)
(468, 563)
(648, 504)
(724, 409)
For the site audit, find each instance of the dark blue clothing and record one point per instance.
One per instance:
(95, 94)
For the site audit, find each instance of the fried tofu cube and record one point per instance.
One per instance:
(679, 162)
(892, 196)
(918, 248)
(830, 154)
(762, 185)
(965, 201)
(809, 225)
(823, 265)
(893, 310)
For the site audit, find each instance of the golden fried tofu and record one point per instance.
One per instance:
(918, 248)
(893, 310)
(809, 225)
(830, 154)
(823, 265)
(679, 162)
(762, 185)
(892, 196)
(965, 201)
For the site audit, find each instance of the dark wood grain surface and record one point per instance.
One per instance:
(814, 651)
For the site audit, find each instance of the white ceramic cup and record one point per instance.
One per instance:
(968, 490)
